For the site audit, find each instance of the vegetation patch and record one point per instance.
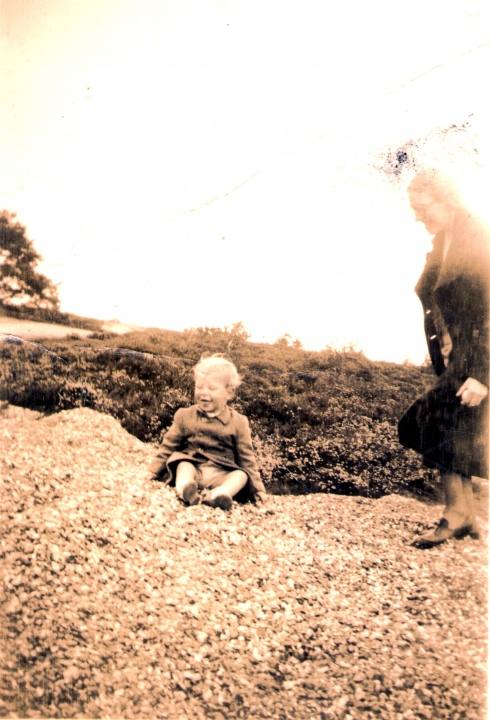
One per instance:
(322, 421)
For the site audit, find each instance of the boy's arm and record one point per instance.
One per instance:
(246, 457)
(171, 442)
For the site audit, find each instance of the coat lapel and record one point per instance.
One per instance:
(430, 274)
(440, 271)
(452, 266)
(466, 254)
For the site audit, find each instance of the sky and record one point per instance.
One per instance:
(186, 163)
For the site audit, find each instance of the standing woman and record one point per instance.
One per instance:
(448, 425)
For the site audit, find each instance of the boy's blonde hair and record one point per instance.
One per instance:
(218, 365)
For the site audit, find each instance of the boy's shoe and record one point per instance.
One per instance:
(222, 500)
(189, 493)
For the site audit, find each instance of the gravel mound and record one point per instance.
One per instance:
(119, 602)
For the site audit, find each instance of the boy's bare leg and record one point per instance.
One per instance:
(235, 481)
(186, 483)
(222, 495)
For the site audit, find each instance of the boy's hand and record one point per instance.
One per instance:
(262, 497)
(149, 475)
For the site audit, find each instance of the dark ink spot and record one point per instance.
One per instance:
(402, 157)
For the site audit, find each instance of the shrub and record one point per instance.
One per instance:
(322, 422)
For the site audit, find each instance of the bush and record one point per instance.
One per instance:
(322, 422)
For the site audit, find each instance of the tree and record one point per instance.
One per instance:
(287, 341)
(20, 283)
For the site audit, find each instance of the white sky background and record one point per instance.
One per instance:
(120, 118)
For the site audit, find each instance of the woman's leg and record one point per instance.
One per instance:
(472, 525)
(458, 517)
(186, 482)
(456, 512)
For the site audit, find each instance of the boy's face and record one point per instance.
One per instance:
(211, 394)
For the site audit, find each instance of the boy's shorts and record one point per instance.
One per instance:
(210, 476)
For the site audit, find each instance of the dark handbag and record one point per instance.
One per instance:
(433, 417)
(409, 429)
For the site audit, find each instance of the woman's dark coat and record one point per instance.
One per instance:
(451, 436)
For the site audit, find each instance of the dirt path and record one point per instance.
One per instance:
(28, 330)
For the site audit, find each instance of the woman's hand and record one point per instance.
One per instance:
(472, 392)
(262, 497)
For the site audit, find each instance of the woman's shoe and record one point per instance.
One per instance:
(435, 537)
(443, 532)
(469, 528)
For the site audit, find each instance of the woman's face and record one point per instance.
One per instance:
(433, 214)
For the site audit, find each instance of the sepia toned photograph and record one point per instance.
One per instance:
(244, 359)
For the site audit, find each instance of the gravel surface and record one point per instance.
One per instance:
(119, 602)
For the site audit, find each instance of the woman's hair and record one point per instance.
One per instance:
(218, 365)
(442, 187)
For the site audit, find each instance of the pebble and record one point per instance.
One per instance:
(118, 601)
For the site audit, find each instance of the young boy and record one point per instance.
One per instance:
(209, 445)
